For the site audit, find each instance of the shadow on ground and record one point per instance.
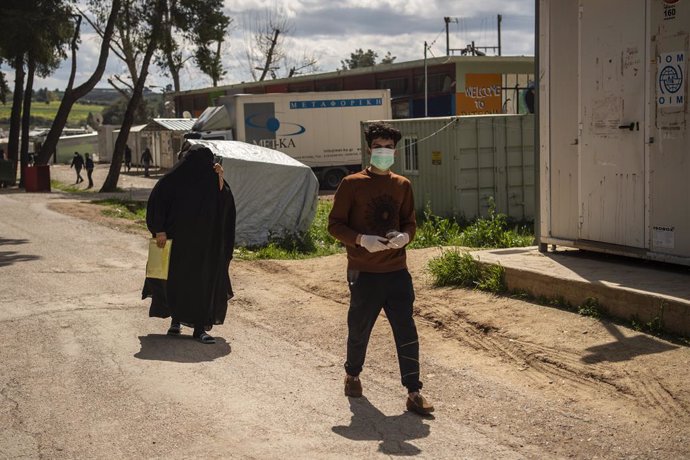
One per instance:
(181, 349)
(624, 348)
(393, 431)
(12, 257)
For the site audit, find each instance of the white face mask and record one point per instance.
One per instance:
(382, 158)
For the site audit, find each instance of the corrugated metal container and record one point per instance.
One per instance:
(457, 164)
(614, 141)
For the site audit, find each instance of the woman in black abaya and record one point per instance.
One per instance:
(193, 206)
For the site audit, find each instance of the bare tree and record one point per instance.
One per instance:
(269, 50)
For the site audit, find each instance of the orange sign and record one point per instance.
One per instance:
(482, 95)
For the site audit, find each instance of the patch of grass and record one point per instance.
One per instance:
(436, 231)
(590, 308)
(125, 209)
(69, 188)
(315, 242)
(655, 326)
(492, 279)
(491, 232)
(45, 113)
(456, 268)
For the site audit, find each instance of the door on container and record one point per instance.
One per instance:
(612, 148)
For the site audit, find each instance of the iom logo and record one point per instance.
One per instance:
(671, 80)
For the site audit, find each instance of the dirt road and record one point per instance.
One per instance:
(86, 374)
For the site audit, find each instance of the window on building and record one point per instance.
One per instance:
(398, 86)
(410, 160)
(336, 85)
(437, 83)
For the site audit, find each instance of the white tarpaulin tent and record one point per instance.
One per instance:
(274, 193)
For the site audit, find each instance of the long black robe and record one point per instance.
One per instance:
(188, 206)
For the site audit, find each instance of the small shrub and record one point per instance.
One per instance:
(455, 268)
(492, 232)
(435, 231)
(590, 308)
(492, 279)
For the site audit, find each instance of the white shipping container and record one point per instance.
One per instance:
(614, 143)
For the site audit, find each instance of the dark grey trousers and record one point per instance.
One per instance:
(369, 293)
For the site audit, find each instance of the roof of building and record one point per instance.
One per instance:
(170, 124)
(435, 61)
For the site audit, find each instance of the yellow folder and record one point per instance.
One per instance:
(159, 260)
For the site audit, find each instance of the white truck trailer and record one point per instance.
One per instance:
(319, 129)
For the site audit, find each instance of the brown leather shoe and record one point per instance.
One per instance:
(419, 404)
(353, 386)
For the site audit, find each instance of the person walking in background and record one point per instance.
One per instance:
(128, 157)
(88, 164)
(3, 184)
(373, 214)
(78, 163)
(146, 159)
(193, 207)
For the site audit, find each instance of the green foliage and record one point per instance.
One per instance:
(492, 279)
(69, 188)
(361, 58)
(655, 326)
(456, 268)
(491, 232)
(436, 231)
(44, 114)
(148, 108)
(590, 308)
(126, 209)
(315, 242)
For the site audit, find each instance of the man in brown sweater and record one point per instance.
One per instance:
(373, 215)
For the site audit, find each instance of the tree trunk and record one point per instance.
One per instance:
(26, 118)
(110, 184)
(15, 117)
(269, 55)
(168, 40)
(73, 95)
(217, 64)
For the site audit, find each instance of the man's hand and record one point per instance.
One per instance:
(161, 238)
(373, 243)
(218, 168)
(397, 240)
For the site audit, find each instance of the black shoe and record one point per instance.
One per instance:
(175, 328)
(203, 337)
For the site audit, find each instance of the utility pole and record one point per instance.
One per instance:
(426, 86)
(474, 50)
(500, 18)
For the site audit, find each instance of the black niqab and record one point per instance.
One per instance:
(199, 218)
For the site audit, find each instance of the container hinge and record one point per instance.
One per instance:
(651, 140)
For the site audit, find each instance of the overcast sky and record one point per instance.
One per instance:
(331, 30)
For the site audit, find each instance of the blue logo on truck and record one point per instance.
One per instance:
(272, 124)
(336, 103)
